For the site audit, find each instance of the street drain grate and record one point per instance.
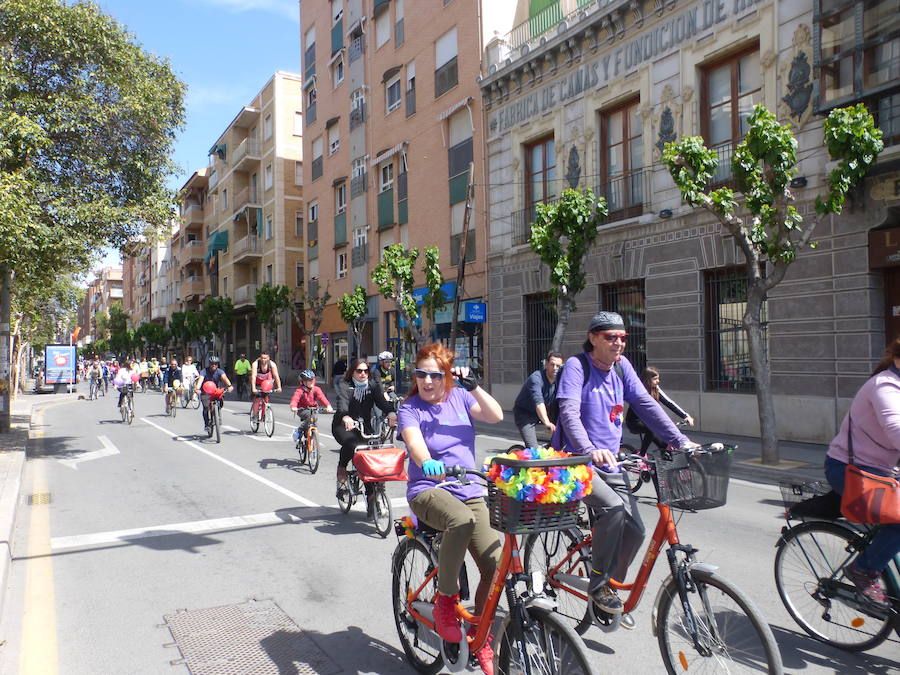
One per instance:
(252, 637)
(39, 498)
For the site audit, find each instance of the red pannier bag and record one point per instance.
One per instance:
(381, 464)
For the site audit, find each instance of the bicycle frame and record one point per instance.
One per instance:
(263, 398)
(507, 574)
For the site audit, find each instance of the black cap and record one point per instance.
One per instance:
(607, 321)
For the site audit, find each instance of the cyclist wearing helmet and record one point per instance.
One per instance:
(384, 372)
(308, 395)
(212, 373)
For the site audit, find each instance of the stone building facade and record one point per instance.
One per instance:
(584, 95)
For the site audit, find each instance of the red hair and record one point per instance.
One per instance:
(443, 357)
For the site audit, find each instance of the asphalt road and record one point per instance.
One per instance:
(150, 519)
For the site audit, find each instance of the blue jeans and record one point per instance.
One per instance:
(886, 543)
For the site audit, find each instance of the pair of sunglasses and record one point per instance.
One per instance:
(435, 375)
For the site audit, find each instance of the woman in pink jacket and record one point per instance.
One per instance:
(873, 423)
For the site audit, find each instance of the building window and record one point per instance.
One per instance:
(298, 123)
(360, 236)
(337, 11)
(410, 88)
(540, 170)
(268, 226)
(298, 173)
(224, 199)
(337, 72)
(386, 173)
(269, 177)
(298, 279)
(540, 325)
(313, 211)
(382, 29)
(334, 139)
(446, 74)
(392, 93)
(622, 153)
(341, 265)
(629, 299)
(269, 275)
(298, 224)
(267, 127)
(309, 56)
(727, 346)
(340, 198)
(317, 164)
(730, 89)
(858, 58)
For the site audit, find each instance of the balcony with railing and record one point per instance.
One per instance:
(213, 180)
(249, 196)
(446, 77)
(357, 48)
(359, 184)
(522, 221)
(246, 249)
(627, 194)
(543, 22)
(357, 116)
(191, 286)
(245, 295)
(317, 167)
(247, 155)
(359, 255)
(192, 213)
(193, 251)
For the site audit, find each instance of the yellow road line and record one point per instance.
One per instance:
(39, 652)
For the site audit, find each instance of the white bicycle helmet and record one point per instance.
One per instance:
(385, 356)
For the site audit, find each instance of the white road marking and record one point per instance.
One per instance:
(229, 428)
(194, 527)
(246, 472)
(360, 504)
(108, 449)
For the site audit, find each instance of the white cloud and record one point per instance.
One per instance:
(286, 8)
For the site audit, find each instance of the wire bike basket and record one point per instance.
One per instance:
(517, 516)
(695, 479)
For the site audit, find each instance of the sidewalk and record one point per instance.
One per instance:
(799, 461)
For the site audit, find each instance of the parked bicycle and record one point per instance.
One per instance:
(373, 463)
(307, 443)
(702, 621)
(126, 409)
(261, 411)
(813, 554)
(532, 637)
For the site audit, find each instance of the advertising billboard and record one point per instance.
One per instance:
(59, 364)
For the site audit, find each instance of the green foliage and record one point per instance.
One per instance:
(178, 328)
(395, 278)
(218, 315)
(122, 342)
(152, 334)
(118, 317)
(101, 320)
(561, 235)
(354, 307)
(39, 311)
(271, 304)
(87, 125)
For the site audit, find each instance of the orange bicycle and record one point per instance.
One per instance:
(703, 622)
(308, 440)
(532, 638)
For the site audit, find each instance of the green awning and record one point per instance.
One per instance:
(217, 242)
(218, 149)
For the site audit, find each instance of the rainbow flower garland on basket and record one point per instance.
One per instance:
(544, 485)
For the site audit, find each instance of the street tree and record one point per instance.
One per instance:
(198, 331)
(395, 278)
(87, 125)
(767, 228)
(121, 338)
(310, 306)
(272, 302)
(101, 326)
(353, 308)
(179, 329)
(154, 336)
(219, 316)
(561, 235)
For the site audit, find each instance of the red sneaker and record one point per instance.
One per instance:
(445, 622)
(485, 655)
(868, 583)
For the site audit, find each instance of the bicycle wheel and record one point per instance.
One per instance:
(217, 421)
(184, 399)
(346, 493)
(173, 405)
(130, 411)
(410, 566)
(381, 511)
(123, 411)
(550, 646)
(312, 452)
(816, 595)
(545, 551)
(254, 420)
(269, 421)
(733, 634)
(302, 444)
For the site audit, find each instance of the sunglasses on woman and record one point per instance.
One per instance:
(435, 375)
(361, 370)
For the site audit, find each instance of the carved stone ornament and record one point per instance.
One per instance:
(666, 132)
(667, 121)
(573, 168)
(687, 93)
(767, 60)
(795, 81)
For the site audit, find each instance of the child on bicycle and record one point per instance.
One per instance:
(307, 396)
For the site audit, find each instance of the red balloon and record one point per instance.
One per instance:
(209, 387)
(266, 386)
(135, 378)
(219, 393)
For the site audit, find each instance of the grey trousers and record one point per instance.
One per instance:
(465, 525)
(528, 430)
(618, 529)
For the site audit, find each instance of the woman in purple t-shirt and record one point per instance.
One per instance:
(435, 421)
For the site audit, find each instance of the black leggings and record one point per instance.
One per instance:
(348, 441)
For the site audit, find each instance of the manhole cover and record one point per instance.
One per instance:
(252, 637)
(39, 498)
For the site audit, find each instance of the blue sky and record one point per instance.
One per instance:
(224, 50)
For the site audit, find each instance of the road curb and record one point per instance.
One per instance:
(12, 468)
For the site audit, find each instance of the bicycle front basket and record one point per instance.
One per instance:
(693, 480)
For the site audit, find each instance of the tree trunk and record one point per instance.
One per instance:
(5, 314)
(420, 338)
(759, 359)
(563, 310)
(20, 346)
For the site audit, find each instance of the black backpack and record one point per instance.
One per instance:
(553, 406)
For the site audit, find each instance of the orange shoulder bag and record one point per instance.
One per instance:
(868, 497)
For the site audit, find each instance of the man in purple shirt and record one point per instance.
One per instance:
(590, 422)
